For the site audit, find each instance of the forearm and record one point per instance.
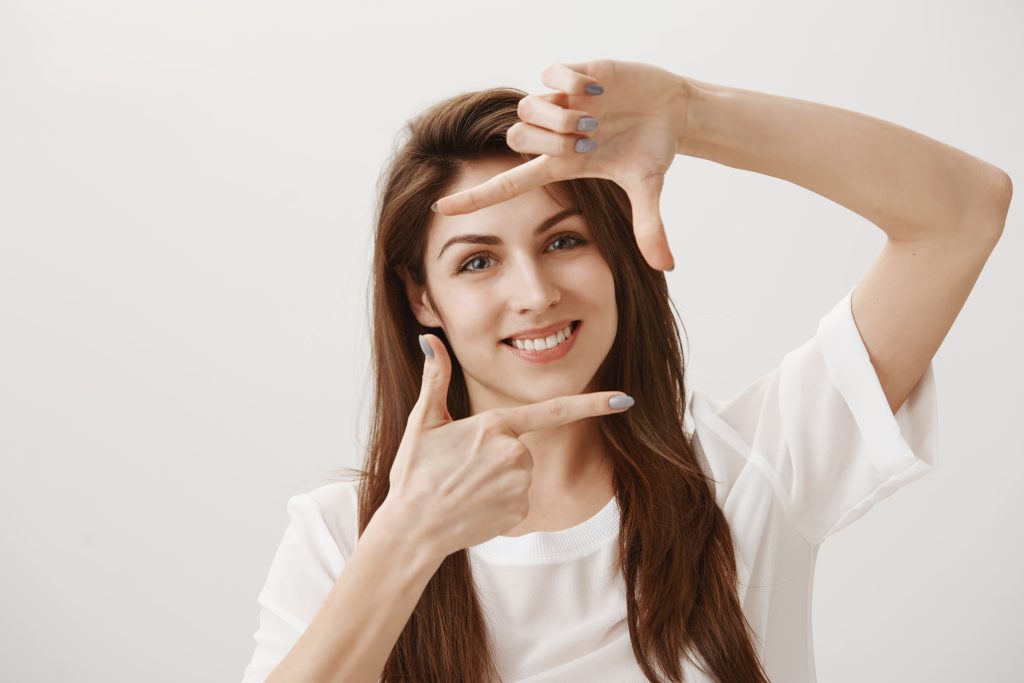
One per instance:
(353, 633)
(909, 185)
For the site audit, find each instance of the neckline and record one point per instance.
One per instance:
(552, 545)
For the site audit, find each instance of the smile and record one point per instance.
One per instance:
(556, 345)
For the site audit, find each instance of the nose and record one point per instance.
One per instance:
(532, 288)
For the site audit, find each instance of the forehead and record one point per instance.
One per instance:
(525, 209)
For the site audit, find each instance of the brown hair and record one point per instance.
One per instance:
(676, 552)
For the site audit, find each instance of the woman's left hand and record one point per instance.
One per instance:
(641, 115)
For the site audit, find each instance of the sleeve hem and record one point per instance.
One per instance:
(901, 447)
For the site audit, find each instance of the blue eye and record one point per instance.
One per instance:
(465, 266)
(576, 241)
(565, 237)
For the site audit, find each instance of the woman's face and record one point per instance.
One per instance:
(483, 294)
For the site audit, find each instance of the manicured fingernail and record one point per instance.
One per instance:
(427, 351)
(620, 402)
(433, 207)
(594, 89)
(586, 144)
(586, 123)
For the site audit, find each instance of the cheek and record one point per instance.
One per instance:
(594, 280)
(473, 314)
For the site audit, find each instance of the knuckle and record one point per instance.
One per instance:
(512, 135)
(523, 109)
(557, 409)
(491, 424)
(569, 120)
(507, 185)
(511, 454)
(528, 461)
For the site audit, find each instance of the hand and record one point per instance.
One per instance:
(641, 117)
(466, 481)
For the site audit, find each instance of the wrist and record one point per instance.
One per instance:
(696, 117)
(397, 519)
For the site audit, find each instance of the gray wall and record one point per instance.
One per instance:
(186, 191)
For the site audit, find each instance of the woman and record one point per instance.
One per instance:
(517, 520)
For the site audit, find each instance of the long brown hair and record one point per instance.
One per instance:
(676, 552)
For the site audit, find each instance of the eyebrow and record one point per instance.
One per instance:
(548, 223)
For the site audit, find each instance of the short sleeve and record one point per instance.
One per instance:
(821, 430)
(302, 573)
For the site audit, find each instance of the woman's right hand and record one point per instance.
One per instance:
(466, 481)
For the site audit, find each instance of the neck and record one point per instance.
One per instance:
(567, 459)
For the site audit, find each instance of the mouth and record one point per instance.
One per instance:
(555, 346)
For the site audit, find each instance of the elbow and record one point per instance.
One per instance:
(1007, 187)
(1003, 188)
(1004, 194)
(993, 203)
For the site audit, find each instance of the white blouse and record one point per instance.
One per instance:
(797, 455)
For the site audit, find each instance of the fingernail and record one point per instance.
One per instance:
(586, 123)
(594, 89)
(620, 402)
(433, 207)
(427, 351)
(585, 144)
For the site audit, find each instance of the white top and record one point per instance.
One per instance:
(797, 455)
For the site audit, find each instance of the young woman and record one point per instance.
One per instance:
(517, 520)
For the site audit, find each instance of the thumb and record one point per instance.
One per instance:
(432, 406)
(647, 224)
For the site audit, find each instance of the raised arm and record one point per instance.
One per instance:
(942, 209)
(911, 186)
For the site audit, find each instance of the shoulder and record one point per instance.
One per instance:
(729, 437)
(338, 505)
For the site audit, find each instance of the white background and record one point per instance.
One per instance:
(186, 195)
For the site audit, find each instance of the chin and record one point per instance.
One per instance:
(554, 385)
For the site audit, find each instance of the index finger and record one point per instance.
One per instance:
(511, 183)
(562, 410)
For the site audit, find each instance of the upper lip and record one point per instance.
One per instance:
(540, 332)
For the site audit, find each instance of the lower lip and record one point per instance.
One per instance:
(548, 355)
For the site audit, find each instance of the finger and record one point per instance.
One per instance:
(511, 183)
(569, 78)
(559, 411)
(523, 137)
(557, 98)
(647, 224)
(431, 408)
(541, 112)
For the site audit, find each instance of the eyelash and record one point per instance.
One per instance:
(462, 267)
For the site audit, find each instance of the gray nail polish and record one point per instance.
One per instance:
(586, 123)
(427, 351)
(586, 144)
(594, 89)
(620, 402)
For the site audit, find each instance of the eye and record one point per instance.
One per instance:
(472, 259)
(573, 239)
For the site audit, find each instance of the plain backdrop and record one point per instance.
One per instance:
(186, 198)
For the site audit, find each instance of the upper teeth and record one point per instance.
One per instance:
(548, 342)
